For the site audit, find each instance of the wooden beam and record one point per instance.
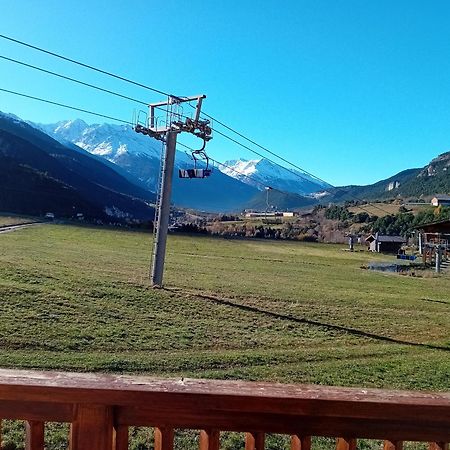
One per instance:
(346, 444)
(438, 446)
(210, 439)
(393, 445)
(34, 435)
(164, 438)
(255, 441)
(120, 437)
(300, 442)
(92, 428)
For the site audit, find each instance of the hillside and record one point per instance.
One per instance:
(63, 180)
(280, 201)
(432, 179)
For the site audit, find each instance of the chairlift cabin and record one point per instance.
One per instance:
(196, 172)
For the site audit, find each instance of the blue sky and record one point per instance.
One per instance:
(351, 90)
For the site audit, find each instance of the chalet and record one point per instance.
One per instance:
(389, 244)
(440, 200)
(434, 233)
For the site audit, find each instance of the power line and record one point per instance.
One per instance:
(65, 106)
(130, 123)
(31, 66)
(205, 114)
(88, 66)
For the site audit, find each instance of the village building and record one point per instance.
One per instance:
(385, 244)
(434, 233)
(440, 200)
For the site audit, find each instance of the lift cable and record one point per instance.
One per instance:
(88, 66)
(93, 86)
(127, 80)
(127, 122)
(262, 185)
(65, 106)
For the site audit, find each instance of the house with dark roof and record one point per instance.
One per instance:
(440, 200)
(386, 244)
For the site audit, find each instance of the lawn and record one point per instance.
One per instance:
(78, 298)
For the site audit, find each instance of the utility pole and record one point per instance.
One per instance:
(438, 257)
(172, 125)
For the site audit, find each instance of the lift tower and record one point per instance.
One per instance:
(166, 130)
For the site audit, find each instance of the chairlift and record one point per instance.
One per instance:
(195, 172)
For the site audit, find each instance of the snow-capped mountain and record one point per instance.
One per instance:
(139, 155)
(261, 173)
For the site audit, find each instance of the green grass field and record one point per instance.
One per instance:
(76, 298)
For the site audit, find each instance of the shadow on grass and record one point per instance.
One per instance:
(302, 320)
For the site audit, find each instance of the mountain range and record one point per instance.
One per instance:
(139, 155)
(41, 175)
(109, 171)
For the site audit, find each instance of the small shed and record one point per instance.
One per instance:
(440, 200)
(382, 243)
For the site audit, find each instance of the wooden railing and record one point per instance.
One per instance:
(101, 408)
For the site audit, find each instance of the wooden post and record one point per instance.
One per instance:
(300, 442)
(120, 437)
(164, 438)
(209, 440)
(34, 435)
(393, 445)
(346, 444)
(92, 428)
(254, 441)
(438, 446)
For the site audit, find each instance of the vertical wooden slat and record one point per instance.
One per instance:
(393, 445)
(255, 441)
(164, 438)
(209, 440)
(346, 444)
(438, 446)
(92, 428)
(120, 437)
(34, 435)
(300, 442)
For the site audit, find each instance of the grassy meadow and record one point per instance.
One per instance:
(78, 298)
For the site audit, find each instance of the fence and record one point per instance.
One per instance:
(100, 408)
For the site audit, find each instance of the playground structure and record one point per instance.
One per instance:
(435, 249)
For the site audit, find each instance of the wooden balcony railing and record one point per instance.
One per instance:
(100, 408)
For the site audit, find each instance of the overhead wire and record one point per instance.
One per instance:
(63, 105)
(205, 114)
(79, 63)
(74, 80)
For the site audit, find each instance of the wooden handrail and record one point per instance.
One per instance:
(101, 407)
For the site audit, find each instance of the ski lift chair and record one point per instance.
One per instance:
(196, 172)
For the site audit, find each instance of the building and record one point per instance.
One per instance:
(388, 244)
(440, 200)
(434, 233)
(271, 214)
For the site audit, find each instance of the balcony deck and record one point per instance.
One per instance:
(100, 408)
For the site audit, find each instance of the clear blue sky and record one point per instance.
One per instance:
(351, 90)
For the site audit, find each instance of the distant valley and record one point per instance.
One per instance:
(110, 172)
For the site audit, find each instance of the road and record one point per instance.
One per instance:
(9, 228)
